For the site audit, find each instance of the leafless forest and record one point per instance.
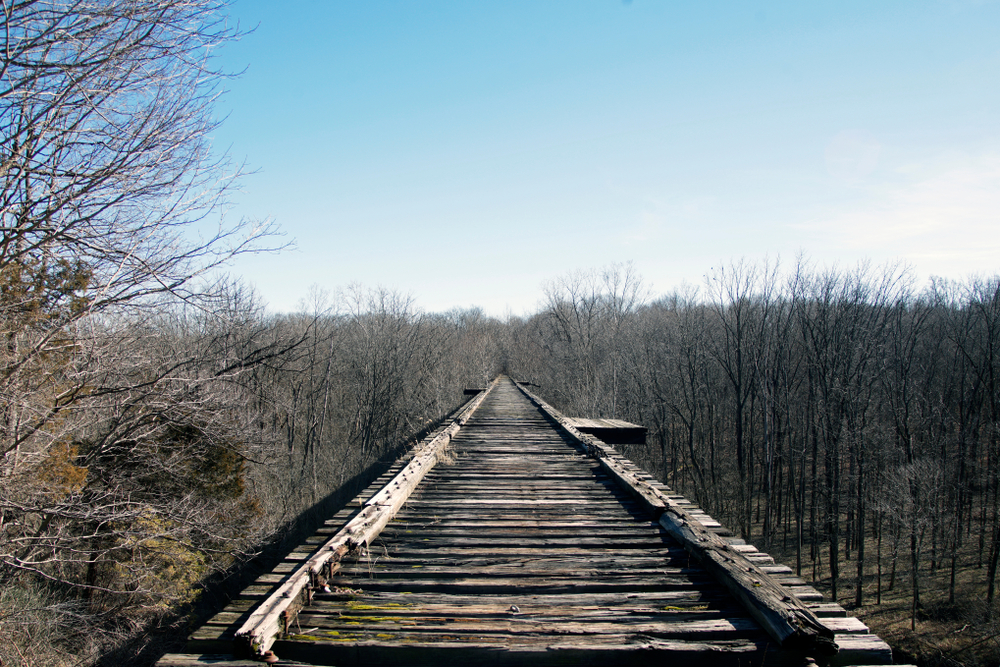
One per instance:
(838, 415)
(157, 425)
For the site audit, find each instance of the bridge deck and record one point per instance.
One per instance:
(517, 548)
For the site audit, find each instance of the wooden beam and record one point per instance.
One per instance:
(785, 618)
(611, 431)
(279, 609)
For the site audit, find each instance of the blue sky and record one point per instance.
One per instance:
(466, 152)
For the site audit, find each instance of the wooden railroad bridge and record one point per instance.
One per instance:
(509, 537)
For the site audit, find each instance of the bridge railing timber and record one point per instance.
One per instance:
(507, 538)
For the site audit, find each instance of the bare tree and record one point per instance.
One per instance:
(743, 298)
(583, 326)
(106, 177)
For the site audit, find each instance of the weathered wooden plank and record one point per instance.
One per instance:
(606, 542)
(526, 561)
(417, 629)
(612, 431)
(208, 660)
(861, 650)
(537, 611)
(386, 600)
(827, 609)
(583, 522)
(543, 651)
(388, 571)
(486, 585)
(846, 625)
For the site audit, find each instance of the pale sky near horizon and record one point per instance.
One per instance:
(466, 152)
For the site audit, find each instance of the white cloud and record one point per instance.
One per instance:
(942, 216)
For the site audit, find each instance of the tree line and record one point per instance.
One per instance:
(829, 413)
